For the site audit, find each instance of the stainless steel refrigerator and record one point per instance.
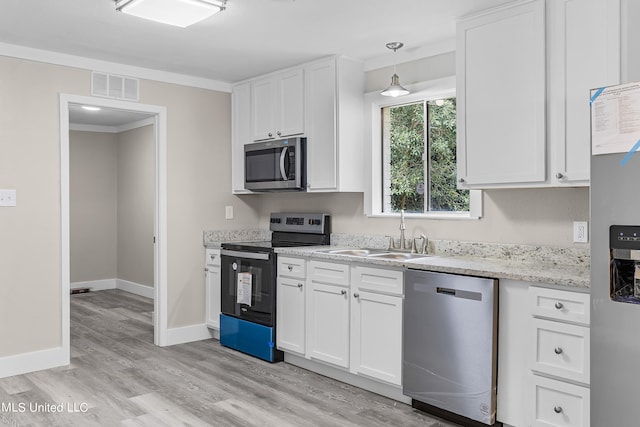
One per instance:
(615, 256)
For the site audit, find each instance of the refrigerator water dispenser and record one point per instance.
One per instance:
(624, 265)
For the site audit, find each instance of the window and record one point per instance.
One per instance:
(419, 158)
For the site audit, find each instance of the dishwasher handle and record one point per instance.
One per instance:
(446, 291)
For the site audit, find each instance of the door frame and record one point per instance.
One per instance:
(160, 221)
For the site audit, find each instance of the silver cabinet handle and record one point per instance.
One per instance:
(343, 292)
(461, 180)
(559, 305)
(557, 409)
(212, 256)
(270, 134)
(560, 175)
(300, 285)
(290, 267)
(279, 133)
(557, 350)
(356, 295)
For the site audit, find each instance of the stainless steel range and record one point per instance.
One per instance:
(248, 290)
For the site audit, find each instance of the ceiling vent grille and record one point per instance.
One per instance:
(114, 86)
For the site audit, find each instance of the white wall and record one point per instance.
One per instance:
(93, 212)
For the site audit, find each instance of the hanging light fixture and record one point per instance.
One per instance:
(180, 13)
(395, 89)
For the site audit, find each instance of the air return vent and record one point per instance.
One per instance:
(114, 86)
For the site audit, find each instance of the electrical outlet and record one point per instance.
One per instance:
(580, 231)
(228, 212)
(8, 198)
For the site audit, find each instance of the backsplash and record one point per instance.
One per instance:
(546, 255)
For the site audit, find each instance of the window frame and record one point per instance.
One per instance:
(374, 102)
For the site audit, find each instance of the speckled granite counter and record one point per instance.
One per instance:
(545, 265)
(567, 267)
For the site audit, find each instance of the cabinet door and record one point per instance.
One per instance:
(212, 291)
(584, 54)
(558, 404)
(263, 108)
(501, 97)
(290, 314)
(291, 103)
(241, 118)
(328, 323)
(320, 93)
(376, 336)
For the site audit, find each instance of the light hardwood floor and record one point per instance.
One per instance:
(117, 377)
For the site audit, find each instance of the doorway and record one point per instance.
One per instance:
(155, 116)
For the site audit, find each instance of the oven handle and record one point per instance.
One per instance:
(240, 254)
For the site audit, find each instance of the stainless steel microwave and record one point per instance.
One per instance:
(276, 165)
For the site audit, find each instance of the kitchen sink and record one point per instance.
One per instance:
(398, 255)
(374, 253)
(351, 252)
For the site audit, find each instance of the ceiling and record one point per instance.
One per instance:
(105, 117)
(250, 38)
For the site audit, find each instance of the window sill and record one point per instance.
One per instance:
(431, 215)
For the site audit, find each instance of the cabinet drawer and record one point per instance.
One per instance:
(561, 349)
(555, 403)
(329, 272)
(292, 267)
(212, 257)
(378, 280)
(561, 305)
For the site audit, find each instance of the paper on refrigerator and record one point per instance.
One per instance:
(243, 291)
(615, 118)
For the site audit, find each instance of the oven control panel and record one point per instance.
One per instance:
(316, 223)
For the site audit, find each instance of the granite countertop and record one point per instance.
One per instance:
(569, 275)
(562, 266)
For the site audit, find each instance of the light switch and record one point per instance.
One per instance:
(228, 212)
(7, 197)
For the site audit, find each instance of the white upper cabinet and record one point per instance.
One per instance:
(322, 101)
(524, 73)
(501, 96)
(241, 134)
(278, 105)
(334, 93)
(584, 53)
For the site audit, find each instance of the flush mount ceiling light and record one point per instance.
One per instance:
(395, 89)
(180, 13)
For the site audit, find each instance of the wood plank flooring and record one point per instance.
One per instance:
(118, 377)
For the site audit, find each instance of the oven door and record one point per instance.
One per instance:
(248, 286)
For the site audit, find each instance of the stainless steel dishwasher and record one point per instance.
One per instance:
(450, 345)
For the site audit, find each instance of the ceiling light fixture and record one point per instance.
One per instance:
(395, 89)
(91, 108)
(180, 13)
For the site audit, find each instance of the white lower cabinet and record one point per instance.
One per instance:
(376, 343)
(557, 403)
(559, 358)
(328, 313)
(349, 317)
(290, 320)
(212, 287)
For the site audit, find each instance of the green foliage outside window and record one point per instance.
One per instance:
(409, 185)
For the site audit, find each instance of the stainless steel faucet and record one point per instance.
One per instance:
(413, 245)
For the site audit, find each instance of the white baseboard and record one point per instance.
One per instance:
(95, 285)
(124, 285)
(35, 361)
(187, 334)
(135, 288)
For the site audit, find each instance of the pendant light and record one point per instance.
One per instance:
(395, 89)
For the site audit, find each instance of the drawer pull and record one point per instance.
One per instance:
(557, 350)
(559, 305)
(356, 295)
(557, 409)
(290, 267)
(300, 285)
(343, 292)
